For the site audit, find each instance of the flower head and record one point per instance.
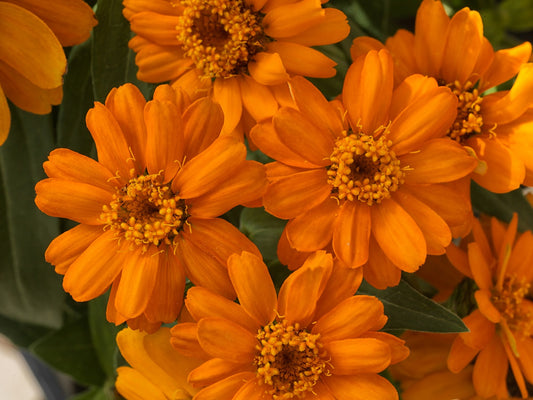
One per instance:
(495, 127)
(238, 51)
(501, 328)
(369, 175)
(33, 62)
(156, 370)
(147, 210)
(282, 347)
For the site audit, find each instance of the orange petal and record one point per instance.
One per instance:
(132, 7)
(464, 39)
(213, 371)
(293, 18)
(225, 388)
(380, 272)
(227, 93)
(303, 60)
(210, 168)
(361, 45)
(361, 387)
(522, 257)
(525, 349)
(350, 318)
(401, 46)
(251, 390)
(224, 339)
(435, 230)
(313, 230)
(398, 236)
(490, 369)
(449, 162)
(113, 150)
(127, 104)
(459, 259)
(358, 356)
(130, 383)
(77, 201)
(268, 69)
(254, 287)
(484, 302)
(165, 143)
(95, 269)
(203, 303)
(351, 233)
(399, 350)
(30, 47)
(245, 185)
(481, 270)
(331, 29)
(257, 99)
(185, 340)
(301, 136)
(292, 195)
(5, 117)
(481, 330)
(460, 355)
(308, 282)
(162, 33)
(204, 270)
(68, 246)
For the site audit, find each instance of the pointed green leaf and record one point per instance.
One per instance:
(407, 308)
(263, 229)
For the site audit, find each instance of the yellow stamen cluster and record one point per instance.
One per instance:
(290, 360)
(220, 36)
(469, 120)
(364, 168)
(510, 302)
(146, 212)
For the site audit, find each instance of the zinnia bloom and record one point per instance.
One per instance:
(148, 208)
(157, 372)
(370, 176)
(32, 59)
(238, 51)
(496, 127)
(501, 329)
(314, 340)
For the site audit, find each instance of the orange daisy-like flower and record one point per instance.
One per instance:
(370, 176)
(501, 329)
(32, 59)
(497, 126)
(148, 208)
(240, 51)
(157, 372)
(314, 340)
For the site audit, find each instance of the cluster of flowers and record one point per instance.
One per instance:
(371, 183)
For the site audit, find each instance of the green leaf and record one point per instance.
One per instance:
(77, 99)
(517, 14)
(263, 229)
(96, 393)
(112, 62)
(30, 290)
(71, 350)
(103, 334)
(502, 206)
(21, 334)
(407, 308)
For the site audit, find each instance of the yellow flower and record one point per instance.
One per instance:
(496, 127)
(32, 59)
(370, 175)
(147, 210)
(240, 52)
(501, 329)
(314, 340)
(157, 371)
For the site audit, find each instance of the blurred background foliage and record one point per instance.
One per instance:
(75, 338)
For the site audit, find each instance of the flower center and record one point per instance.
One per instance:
(364, 168)
(290, 360)
(510, 302)
(220, 36)
(469, 120)
(146, 212)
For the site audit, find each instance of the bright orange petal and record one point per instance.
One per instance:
(490, 369)
(185, 340)
(227, 93)
(268, 69)
(130, 383)
(401, 46)
(224, 339)
(484, 302)
(303, 60)
(162, 33)
(460, 355)
(358, 356)
(481, 330)
(380, 272)
(331, 29)
(257, 99)
(399, 351)
(254, 287)
(293, 18)
(214, 370)
(481, 270)
(398, 235)
(351, 233)
(225, 388)
(361, 387)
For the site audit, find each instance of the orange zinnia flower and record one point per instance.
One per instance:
(376, 181)
(32, 59)
(315, 340)
(157, 371)
(239, 51)
(497, 126)
(501, 329)
(147, 209)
